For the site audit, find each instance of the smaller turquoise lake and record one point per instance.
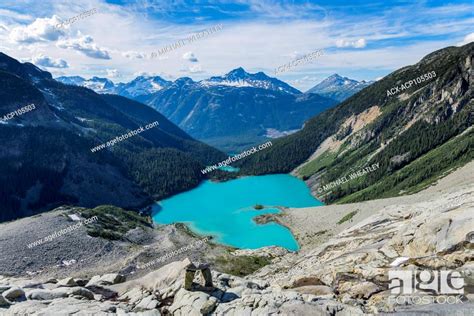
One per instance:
(225, 209)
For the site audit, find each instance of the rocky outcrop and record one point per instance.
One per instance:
(431, 235)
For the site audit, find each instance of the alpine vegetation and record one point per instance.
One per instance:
(409, 83)
(77, 17)
(305, 59)
(124, 136)
(62, 232)
(352, 176)
(23, 110)
(188, 40)
(236, 157)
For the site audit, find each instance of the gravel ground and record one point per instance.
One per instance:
(85, 255)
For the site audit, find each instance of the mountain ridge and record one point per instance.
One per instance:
(46, 157)
(144, 85)
(429, 125)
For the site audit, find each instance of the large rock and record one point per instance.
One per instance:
(67, 282)
(147, 303)
(134, 296)
(81, 292)
(106, 279)
(168, 278)
(112, 278)
(44, 295)
(14, 294)
(441, 234)
(192, 303)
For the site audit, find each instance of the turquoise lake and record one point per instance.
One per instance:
(225, 209)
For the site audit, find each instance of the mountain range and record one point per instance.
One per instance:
(232, 112)
(414, 137)
(143, 86)
(46, 157)
(238, 110)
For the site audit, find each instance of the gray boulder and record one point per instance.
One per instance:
(14, 294)
(67, 282)
(45, 295)
(81, 292)
(191, 303)
(112, 278)
(149, 302)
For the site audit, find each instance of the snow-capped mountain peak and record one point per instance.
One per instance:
(240, 78)
(338, 87)
(100, 85)
(142, 85)
(139, 86)
(147, 85)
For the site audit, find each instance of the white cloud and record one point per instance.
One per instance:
(45, 61)
(467, 39)
(131, 34)
(189, 56)
(41, 30)
(360, 43)
(112, 73)
(196, 69)
(134, 55)
(84, 44)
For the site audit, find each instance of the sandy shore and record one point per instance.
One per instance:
(312, 226)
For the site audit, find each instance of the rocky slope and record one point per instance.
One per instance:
(414, 136)
(346, 274)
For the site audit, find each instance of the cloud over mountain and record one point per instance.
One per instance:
(46, 61)
(85, 45)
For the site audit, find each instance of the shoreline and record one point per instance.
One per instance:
(312, 226)
(309, 232)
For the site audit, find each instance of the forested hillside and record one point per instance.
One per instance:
(46, 158)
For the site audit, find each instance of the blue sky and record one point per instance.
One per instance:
(360, 39)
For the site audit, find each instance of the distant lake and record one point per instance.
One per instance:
(225, 209)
